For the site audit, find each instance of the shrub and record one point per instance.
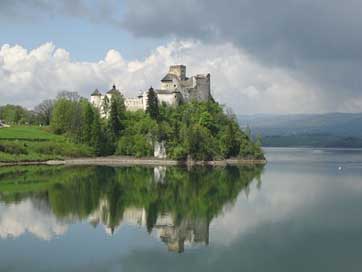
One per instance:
(134, 145)
(178, 153)
(14, 148)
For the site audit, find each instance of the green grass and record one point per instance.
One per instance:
(28, 133)
(29, 143)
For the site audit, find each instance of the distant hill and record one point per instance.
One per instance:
(316, 130)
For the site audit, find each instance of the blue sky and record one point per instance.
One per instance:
(86, 40)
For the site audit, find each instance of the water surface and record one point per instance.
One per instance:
(301, 212)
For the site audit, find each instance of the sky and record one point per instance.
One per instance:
(287, 56)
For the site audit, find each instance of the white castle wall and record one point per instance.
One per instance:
(170, 86)
(134, 104)
(169, 99)
(96, 101)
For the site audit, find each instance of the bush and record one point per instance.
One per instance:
(15, 148)
(178, 153)
(134, 145)
(49, 148)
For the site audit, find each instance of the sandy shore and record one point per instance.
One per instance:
(127, 161)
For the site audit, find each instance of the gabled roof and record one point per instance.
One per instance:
(168, 77)
(96, 93)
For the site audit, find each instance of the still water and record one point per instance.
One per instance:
(300, 212)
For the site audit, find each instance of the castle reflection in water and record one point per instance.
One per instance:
(188, 232)
(176, 205)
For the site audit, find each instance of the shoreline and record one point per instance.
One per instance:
(132, 161)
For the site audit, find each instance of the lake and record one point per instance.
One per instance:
(300, 212)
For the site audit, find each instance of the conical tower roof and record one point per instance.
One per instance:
(96, 93)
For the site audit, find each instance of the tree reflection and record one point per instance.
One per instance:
(174, 203)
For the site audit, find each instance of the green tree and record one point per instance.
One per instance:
(117, 115)
(13, 114)
(97, 138)
(89, 116)
(68, 117)
(152, 104)
(231, 140)
(199, 143)
(61, 121)
(44, 111)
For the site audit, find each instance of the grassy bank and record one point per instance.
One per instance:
(29, 143)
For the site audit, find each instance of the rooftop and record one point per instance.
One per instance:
(168, 78)
(96, 93)
(178, 66)
(113, 90)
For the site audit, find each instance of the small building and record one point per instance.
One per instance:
(3, 125)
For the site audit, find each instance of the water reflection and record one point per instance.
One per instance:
(174, 204)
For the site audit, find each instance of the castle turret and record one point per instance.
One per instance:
(179, 71)
(96, 98)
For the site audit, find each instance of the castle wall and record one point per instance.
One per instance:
(96, 101)
(202, 90)
(170, 99)
(134, 104)
(169, 85)
(145, 100)
(196, 88)
(179, 89)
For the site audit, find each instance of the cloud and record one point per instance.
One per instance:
(313, 45)
(104, 11)
(238, 80)
(318, 41)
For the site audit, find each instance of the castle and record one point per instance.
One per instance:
(175, 88)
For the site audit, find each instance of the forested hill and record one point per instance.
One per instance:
(316, 130)
(199, 131)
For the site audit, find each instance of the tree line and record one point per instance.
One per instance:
(196, 130)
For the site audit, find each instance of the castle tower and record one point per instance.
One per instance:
(96, 99)
(179, 71)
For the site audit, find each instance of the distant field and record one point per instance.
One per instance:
(27, 133)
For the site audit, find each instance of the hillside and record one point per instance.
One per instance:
(315, 130)
(31, 143)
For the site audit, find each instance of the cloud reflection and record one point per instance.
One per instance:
(29, 216)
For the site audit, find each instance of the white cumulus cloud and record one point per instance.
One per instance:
(238, 80)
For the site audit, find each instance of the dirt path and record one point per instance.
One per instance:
(126, 161)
